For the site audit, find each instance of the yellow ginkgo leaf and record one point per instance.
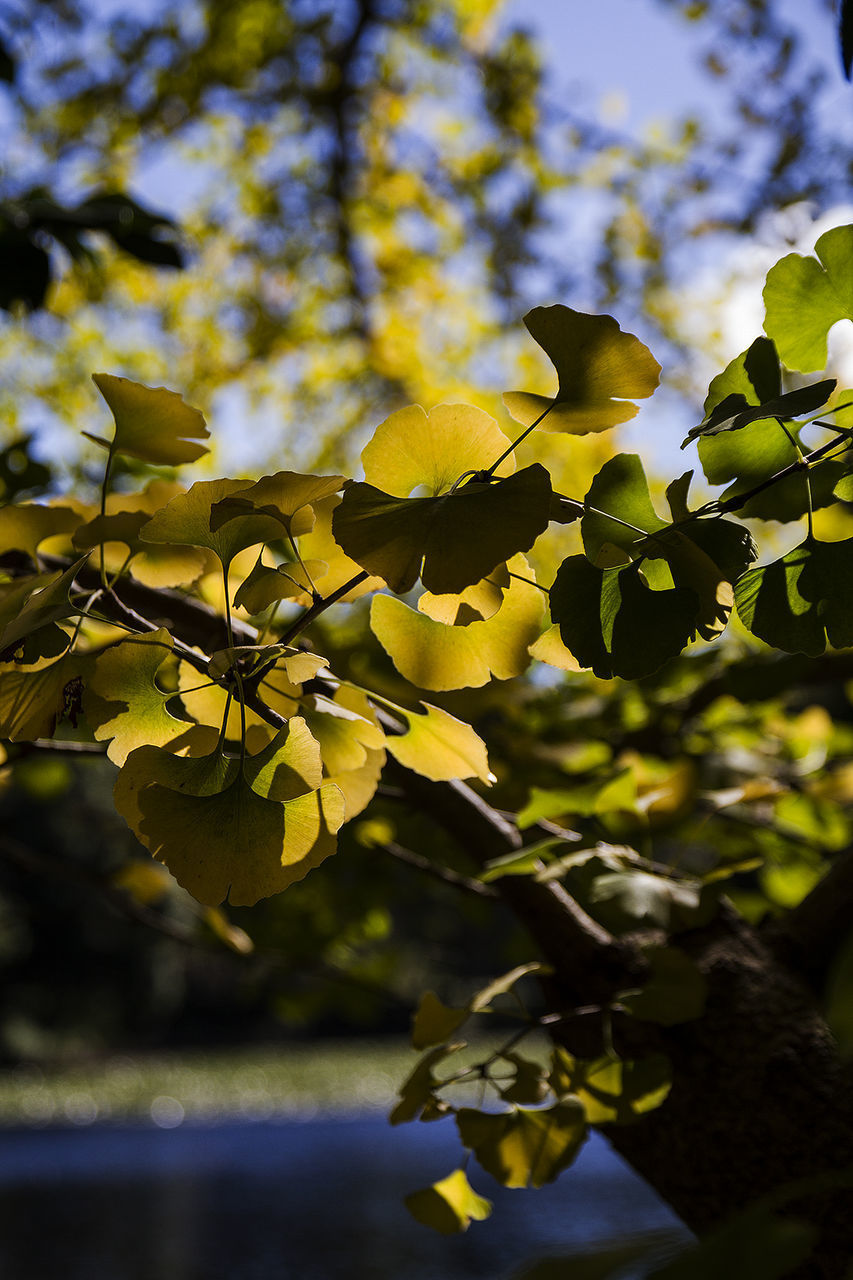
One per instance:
(151, 423)
(599, 367)
(415, 450)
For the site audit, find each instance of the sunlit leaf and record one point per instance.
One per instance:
(448, 1206)
(151, 423)
(25, 527)
(267, 584)
(440, 747)
(231, 828)
(32, 603)
(434, 656)
(800, 602)
(549, 648)
(186, 521)
(413, 449)
(600, 370)
(450, 542)
(523, 1148)
(319, 547)
(632, 899)
(620, 487)
(287, 496)
(613, 1091)
(476, 603)
(123, 701)
(500, 986)
(805, 297)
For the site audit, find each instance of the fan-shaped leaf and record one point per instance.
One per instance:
(448, 1206)
(186, 520)
(524, 1148)
(450, 542)
(802, 601)
(287, 496)
(25, 527)
(439, 746)
(600, 369)
(805, 297)
(413, 449)
(151, 423)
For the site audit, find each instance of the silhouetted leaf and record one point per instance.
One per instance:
(800, 602)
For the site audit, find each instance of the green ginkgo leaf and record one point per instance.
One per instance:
(600, 371)
(124, 703)
(432, 655)
(415, 450)
(450, 542)
(25, 527)
(435, 1022)
(802, 601)
(186, 520)
(226, 827)
(448, 1206)
(28, 605)
(805, 297)
(621, 487)
(151, 423)
(525, 1148)
(287, 496)
(267, 584)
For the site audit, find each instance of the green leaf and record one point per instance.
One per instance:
(612, 620)
(448, 1206)
(438, 746)
(413, 449)
(225, 827)
(151, 423)
(522, 1148)
(451, 541)
(674, 992)
(805, 297)
(25, 527)
(29, 605)
(435, 1022)
(500, 986)
(432, 655)
(632, 899)
(800, 602)
(733, 413)
(599, 367)
(123, 702)
(620, 487)
(267, 584)
(186, 520)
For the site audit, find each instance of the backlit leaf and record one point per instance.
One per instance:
(448, 1206)
(186, 521)
(123, 702)
(33, 697)
(620, 487)
(33, 603)
(438, 746)
(451, 541)
(524, 1148)
(25, 527)
(413, 449)
(435, 1022)
(231, 828)
(418, 1089)
(286, 496)
(600, 370)
(434, 656)
(800, 602)
(613, 1091)
(151, 423)
(805, 297)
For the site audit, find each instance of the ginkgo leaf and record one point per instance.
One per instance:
(549, 648)
(123, 702)
(434, 656)
(413, 450)
(800, 602)
(475, 604)
(418, 1088)
(33, 603)
(25, 527)
(286, 496)
(733, 413)
(613, 1091)
(529, 1084)
(352, 744)
(267, 584)
(225, 827)
(186, 521)
(448, 1206)
(600, 369)
(620, 487)
(151, 423)
(438, 746)
(435, 1022)
(451, 541)
(805, 297)
(525, 1148)
(35, 696)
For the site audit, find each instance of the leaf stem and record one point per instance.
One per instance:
(493, 468)
(320, 606)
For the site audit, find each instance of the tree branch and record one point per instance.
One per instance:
(807, 938)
